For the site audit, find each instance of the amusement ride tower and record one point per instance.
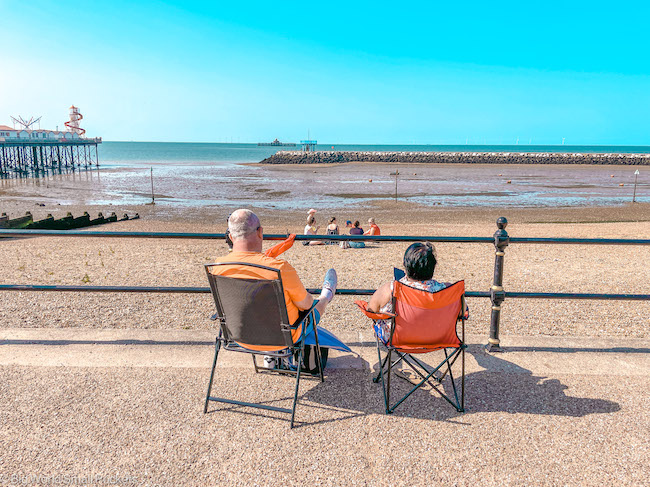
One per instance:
(73, 124)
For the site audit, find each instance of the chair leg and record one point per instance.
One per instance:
(462, 380)
(381, 375)
(255, 364)
(318, 356)
(390, 367)
(217, 346)
(295, 396)
(453, 382)
(459, 404)
(381, 366)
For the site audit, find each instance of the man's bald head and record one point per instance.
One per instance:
(243, 224)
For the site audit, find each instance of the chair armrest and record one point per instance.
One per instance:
(214, 317)
(363, 306)
(306, 313)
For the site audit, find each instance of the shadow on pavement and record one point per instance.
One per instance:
(501, 387)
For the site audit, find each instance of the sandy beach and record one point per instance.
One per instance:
(542, 268)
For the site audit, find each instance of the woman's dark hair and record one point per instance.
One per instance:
(332, 219)
(356, 223)
(420, 261)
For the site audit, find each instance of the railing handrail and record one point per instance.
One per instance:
(377, 238)
(344, 292)
(497, 293)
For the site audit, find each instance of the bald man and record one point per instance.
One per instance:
(247, 236)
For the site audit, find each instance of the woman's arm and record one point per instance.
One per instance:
(381, 297)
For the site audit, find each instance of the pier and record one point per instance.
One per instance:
(29, 157)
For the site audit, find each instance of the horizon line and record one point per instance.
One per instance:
(378, 144)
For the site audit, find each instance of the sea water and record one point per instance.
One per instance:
(225, 175)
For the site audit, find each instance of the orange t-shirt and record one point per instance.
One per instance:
(374, 229)
(294, 290)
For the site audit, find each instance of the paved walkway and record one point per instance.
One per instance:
(126, 406)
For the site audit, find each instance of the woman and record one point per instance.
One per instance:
(419, 263)
(311, 229)
(332, 228)
(356, 230)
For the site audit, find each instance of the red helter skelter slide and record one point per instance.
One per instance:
(73, 124)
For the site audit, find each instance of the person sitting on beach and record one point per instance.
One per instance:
(419, 263)
(312, 229)
(374, 229)
(348, 224)
(332, 228)
(247, 236)
(357, 230)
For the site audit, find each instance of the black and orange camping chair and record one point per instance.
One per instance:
(253, 319)
(423, 322)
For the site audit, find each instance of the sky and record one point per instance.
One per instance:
(344, 72)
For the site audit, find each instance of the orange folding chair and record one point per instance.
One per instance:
(423, 322)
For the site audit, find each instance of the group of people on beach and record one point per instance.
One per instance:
(333, 229)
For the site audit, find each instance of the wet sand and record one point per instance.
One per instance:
(194, 192)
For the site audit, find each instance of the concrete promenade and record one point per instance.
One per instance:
(127, 405)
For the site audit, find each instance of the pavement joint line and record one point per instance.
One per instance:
(360, 336)
(194, 349)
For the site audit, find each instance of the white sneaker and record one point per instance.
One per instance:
(329, 284)
(269, 362)
(287, 363)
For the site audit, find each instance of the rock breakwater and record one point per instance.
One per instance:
(336, 157)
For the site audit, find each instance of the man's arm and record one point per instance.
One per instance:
(305, 303)
(381, 297)
(282, 247)
(295, 288)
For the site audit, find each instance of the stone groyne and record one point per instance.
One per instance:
(336, 157)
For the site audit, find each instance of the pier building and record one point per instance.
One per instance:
(308, 145)
(26, 152)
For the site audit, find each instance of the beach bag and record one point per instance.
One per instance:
(344, 244)
(309, 359)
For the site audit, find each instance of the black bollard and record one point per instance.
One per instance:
(497, 294)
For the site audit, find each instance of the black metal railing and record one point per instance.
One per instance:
(497, 294)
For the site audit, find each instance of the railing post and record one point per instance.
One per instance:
(497, 294)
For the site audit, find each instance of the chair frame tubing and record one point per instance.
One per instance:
(300, 348)
(386, 365)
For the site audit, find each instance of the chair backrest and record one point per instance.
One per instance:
(251, 310)
(426, 321)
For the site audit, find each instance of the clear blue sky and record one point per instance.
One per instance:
(351, 72)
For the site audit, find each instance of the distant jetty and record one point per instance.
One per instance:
(335, 157)
(276, 143)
